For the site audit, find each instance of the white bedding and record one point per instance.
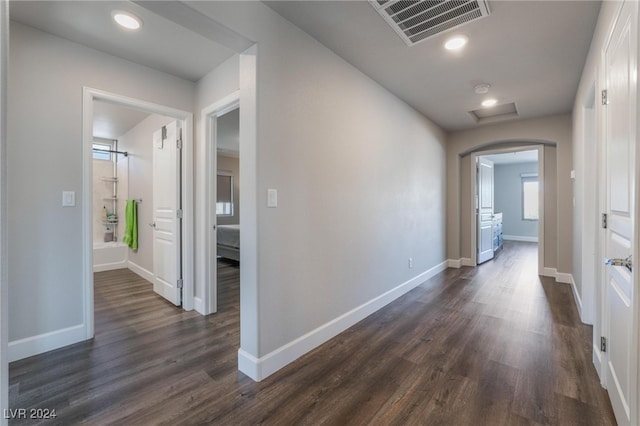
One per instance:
(229, 235)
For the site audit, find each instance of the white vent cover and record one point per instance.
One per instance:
(417, 20)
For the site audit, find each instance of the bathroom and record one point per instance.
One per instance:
(123, 171)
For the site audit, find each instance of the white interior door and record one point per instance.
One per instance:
(485, 209)
(167, 245)
(620, 137)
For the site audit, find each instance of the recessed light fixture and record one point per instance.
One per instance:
(489, 103)
(456, 42)
(482, 88)
(126, 19)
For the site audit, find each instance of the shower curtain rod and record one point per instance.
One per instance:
(125, 153)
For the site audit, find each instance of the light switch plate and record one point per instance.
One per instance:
(68, 198)
(272, 198)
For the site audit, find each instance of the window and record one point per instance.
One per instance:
(530, 197)
(101, 155)
(224, 203)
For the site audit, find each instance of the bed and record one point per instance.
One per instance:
(229, 241)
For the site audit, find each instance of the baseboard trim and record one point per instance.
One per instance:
(454, 263)
(467, 262)
(520, 238)
(24, 348)
(549, 272)
(198, 305)
(110, 266)
(597, 360)
(562, 277)
(262, 367)
(574, 290)
(139, 270)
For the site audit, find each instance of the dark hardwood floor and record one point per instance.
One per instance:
(493, 345)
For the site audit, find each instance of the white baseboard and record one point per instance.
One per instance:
(562, 277)
(454, 263)
(260, 368)
(458, 263)
(24, 348)
(198, 305)
(549, 272)
(597, 360)
(110, 266)
(520, 238)
(147, 275)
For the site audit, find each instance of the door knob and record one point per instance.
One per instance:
(627, 263)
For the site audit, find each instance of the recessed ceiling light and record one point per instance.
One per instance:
(126, 19)
(482, 88)
(489, 103)
(456, 42)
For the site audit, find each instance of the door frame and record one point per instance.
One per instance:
(474, 185)
(4, 281)
(89, 95)
(208, 304)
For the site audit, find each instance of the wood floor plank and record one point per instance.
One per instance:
(493, 345)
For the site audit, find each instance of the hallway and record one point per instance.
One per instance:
(491, 345)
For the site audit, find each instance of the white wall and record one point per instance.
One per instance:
(45, 145)
(508, 199)
(138, 142)
(360, 178)
(557, 186)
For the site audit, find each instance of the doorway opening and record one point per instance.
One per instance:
(222, 129)
(508, 202)
(135, 157)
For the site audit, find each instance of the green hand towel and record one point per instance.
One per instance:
(130, 237)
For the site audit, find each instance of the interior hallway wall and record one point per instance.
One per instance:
(557, 186)
(45, 279)
(360, 178)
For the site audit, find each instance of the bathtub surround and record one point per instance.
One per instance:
(109, 256)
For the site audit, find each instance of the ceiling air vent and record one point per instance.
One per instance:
(417, 20)
(495, 113)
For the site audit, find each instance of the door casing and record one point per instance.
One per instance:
(89, 96)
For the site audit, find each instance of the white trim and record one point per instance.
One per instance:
(564, 278)
(597, 359)
(520, 238)
(208, 123)
(140, 271)
(576, 296)
(467, 262)
(24, 348)
(549, 272)
(89, 95)
(198, 305)
(261, 368)
(454, 263)
(110, 266)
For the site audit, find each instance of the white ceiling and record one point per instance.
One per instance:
(112, 121)
(159, 44)
(531, 52)
(513, 157)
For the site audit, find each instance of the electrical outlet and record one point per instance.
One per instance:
(410, 262)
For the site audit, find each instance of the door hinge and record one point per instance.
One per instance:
(179, 141)
(180, 283)
(605, 98)
(603, 344)
(604, 220)
(164, 132)
(179, 213)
